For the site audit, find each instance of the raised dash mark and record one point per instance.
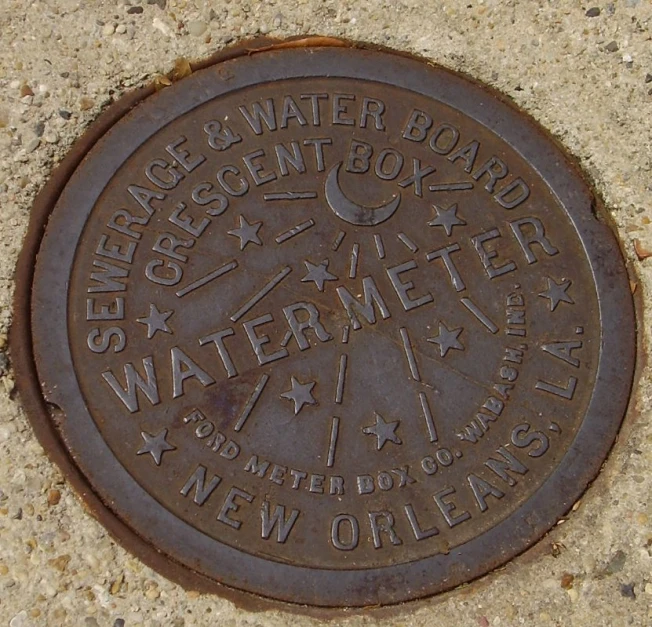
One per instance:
(258, 296)
(338, 240)
(475, 310)
(227, 267)
(295, 230)
(450, 187)
(380, 247)
(409, 353)
(404, 239)
(290, 196)
(335, 428)
(355, 255)
(427, 414)
(253, 399)
(341, 378)
(286, 338)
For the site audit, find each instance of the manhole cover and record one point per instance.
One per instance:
(326, 325)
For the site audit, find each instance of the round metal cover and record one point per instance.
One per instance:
(327, 325)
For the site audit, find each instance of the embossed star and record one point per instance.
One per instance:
(155, 445)
(447, 339)
(556, 293)
(247, 232)
(447, 218)
(319, 274)
(301, 394)
(384, 431)
(156, 321)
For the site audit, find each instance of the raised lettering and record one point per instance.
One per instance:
(487, 255)
(383, 522)
(231, 506)
(184, 368)
(336, 532)
(258, 115)
(198, 481)
(530, 231)
(258, 341)
(372, 298)
(508, 463)
(107, 278)
(402, 289)
(218, 339)
(299, 327)
(564, 351)
(134, 382)
(277, 519)
(447, 507)
(445, 255)
(419, 533)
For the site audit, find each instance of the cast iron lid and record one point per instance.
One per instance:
(323, 324)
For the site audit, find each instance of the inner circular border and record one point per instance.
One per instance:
(243, 571)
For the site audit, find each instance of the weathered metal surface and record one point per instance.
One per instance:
(325, 325)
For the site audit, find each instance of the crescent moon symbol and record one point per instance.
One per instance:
(351, 212)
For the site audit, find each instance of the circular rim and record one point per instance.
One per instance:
(158, 527)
